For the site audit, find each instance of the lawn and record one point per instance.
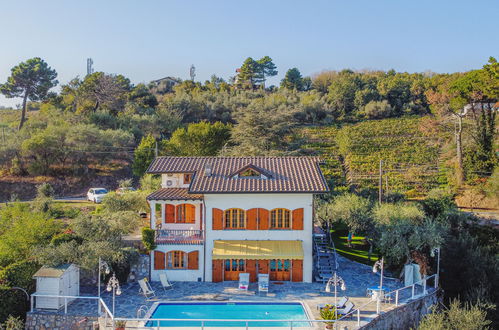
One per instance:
(358, 252)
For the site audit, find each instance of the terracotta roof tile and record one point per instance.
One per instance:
(173, 194)
(288, 174)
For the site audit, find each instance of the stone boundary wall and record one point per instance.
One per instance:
(42, 321)
(405, 316)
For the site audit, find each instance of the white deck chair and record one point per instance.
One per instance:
(348, 308)
(263, 283)
(341, 304)
(146, 289)
(244, 279)
(164, 281)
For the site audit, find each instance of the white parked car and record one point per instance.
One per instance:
(96, 194)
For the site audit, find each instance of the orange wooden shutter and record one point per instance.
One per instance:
(263, 266)
(190, 212)
(169, 213)
(193, 260)
(217, 219)
(297, 270)
(217, 271)
(251, 269)
(263, 218)
(298, 219)
(159, 260)
(251, 217)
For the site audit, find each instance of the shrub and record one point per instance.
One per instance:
(45, 190)
(13, 323)
(150, 182)
(148, 238)
(438, 202)
(378, 110)
(62, 238)
(131, 201)
(19, 274)
(456, 317)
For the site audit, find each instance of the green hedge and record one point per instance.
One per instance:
(13, 302)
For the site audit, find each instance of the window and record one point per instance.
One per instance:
(185, 213)
(280, 219)
(280, 265)
(235, 219)
(187, 178)
(176, 260)
(235, 265)
(249, 173)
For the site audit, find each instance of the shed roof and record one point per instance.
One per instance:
(56, 271)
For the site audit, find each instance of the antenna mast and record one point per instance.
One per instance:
(192, 72)
(90, 69)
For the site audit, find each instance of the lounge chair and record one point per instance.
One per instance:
(146, 289)
(164, 281)
(263, 283)
(244, 279)
(348, 308)
(341, 303)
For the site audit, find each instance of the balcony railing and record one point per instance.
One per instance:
(173, 236)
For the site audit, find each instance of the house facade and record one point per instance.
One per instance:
(216, 217)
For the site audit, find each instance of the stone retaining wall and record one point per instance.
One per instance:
(141, 268)
(406, 316)
(45, 321)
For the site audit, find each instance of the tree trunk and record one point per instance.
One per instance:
(23, 113)
(459, 150)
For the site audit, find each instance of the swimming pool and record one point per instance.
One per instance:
(228, 311)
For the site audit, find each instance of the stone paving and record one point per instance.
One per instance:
(358, 278)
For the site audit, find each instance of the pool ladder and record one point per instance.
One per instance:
(141, 309)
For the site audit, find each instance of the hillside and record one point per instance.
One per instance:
(352, 155)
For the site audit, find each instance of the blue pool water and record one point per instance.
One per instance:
(229, 311)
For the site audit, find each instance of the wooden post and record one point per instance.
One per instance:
(380, 181)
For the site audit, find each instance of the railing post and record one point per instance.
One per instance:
(291, 325)
(358, 317)
(202, 325)
(397, 298)
(65, 305)
(413, 287)
(246, 325)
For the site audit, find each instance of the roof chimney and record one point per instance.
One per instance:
(207, 169)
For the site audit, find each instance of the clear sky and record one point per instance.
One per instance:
(146, 40)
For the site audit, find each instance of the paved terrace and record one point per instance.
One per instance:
(357, 276)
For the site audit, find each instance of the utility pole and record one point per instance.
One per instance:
(380, 181)
(156, 150)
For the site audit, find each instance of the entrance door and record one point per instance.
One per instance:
(232, 269)
(280, 270)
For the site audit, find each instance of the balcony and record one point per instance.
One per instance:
(187, 237)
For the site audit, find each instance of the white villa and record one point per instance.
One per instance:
(216, 217)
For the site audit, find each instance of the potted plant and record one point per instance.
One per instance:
(120, 325)
(328, 313)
